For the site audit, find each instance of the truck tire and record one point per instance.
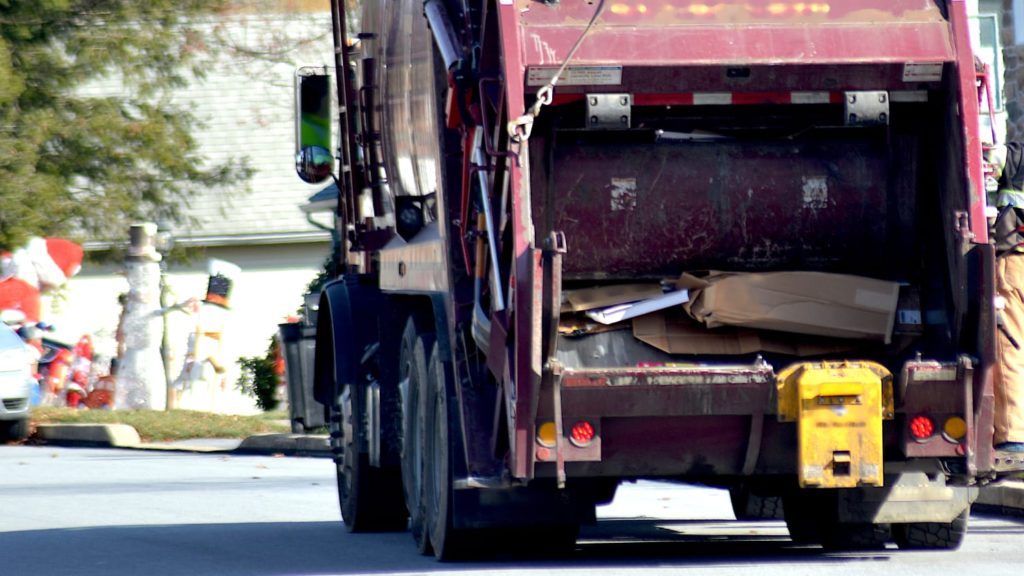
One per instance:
(932, 535)
(370, 498)
(413, 382)
(747, 505)
(856, 536)
(802, 520)
(812, 518)
(440, 430)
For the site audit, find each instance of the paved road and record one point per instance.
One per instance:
(87, 512)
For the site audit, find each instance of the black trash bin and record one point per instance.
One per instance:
(298, 345)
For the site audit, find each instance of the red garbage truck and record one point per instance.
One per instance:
(581, 242)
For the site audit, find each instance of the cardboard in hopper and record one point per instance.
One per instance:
(674, 332)
(812, 303)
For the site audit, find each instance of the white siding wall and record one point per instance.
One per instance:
(246, 105)
(268, 290)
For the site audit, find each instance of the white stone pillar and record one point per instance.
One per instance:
(141, 383)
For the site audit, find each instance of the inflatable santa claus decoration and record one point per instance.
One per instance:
(28, 272)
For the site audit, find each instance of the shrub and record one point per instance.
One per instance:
(259, 377)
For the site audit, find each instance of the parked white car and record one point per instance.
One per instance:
(15, 385)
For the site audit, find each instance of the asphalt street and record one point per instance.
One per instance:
(116, 512)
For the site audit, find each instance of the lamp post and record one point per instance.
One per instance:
(164, 244)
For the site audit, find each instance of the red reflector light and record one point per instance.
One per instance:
(582, 433)
(922, 427)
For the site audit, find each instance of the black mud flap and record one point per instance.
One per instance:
(349, 312)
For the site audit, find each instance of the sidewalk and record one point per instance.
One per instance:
(1005, 498)
(125, 436)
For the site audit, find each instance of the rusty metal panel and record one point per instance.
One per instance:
(939, 391)
(931, 388)
(687, 446)
(523, 393)
(522, 371)
(693, 446)
(928, 42)
(648, 392)
(732, 12)
(630, 210)
(969, 109)
(745, 32)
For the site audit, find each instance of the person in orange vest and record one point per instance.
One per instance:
(1007, 165)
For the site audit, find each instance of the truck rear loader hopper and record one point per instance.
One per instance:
(738, 243)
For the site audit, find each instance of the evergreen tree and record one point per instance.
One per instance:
(86, 166)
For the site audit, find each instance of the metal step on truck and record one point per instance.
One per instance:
(581, 242)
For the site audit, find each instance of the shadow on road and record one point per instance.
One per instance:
(201, 549)
(320, 548)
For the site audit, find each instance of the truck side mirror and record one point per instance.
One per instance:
(314, 162)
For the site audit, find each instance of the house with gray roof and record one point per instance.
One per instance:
(245, 104)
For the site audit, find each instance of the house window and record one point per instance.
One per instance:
(988, 48)
(1018, 22)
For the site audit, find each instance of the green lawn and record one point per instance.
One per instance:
(156, 426)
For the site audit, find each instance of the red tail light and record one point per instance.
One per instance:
(582, 433)
(922, 427)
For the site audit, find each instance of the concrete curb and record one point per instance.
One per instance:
(125, 436)
(308, 445)
(1007, 497)
(116, 435)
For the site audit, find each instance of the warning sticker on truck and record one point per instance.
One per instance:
(576, 76)
(623, 194)
(922, 72)
(815, 192)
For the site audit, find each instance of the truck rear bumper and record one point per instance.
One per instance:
(670, 391)
(668, 420)
(691, 422)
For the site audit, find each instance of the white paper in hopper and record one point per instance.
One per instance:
(621, 312)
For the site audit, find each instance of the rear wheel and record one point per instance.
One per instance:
(932, 535)
(439, 432)
(856, 536)
(413, 383)
(802, 520)
(812, 518)
(748, 505)
(370, 498)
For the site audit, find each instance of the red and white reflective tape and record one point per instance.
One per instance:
(749, 98)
